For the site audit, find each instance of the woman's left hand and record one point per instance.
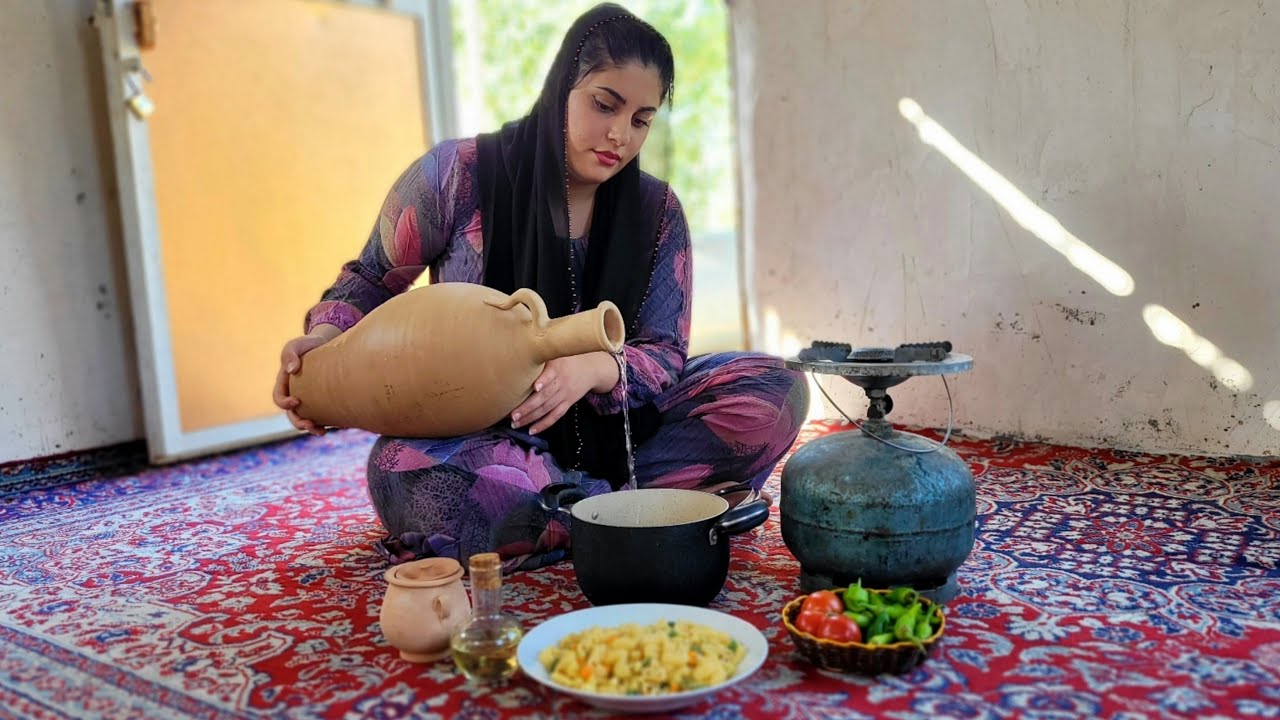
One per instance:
(563, 382)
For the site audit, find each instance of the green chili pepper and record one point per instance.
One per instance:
(903, 628)
(924, 628)
(881, 639)
(879, 624)
(862, 618)
(903, 595)
(855, 596)
(895, 611)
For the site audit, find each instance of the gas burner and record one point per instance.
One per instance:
(882, 506)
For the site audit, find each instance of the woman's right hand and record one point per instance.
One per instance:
(290, 364)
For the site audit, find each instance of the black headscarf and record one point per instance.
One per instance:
(523, 183)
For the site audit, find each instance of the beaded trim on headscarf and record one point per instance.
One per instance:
(564, 142)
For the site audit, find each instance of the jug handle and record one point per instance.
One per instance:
(531, 300)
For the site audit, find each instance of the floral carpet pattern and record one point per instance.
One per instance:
(1102, 584)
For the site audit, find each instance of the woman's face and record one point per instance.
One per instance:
(608, 116)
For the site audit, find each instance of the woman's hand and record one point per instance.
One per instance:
(290, 363)
(563, 382)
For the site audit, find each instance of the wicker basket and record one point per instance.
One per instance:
(856, 657)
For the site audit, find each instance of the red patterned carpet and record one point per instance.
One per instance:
(1103, 585)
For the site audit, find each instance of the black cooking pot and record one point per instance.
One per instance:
(652, 545)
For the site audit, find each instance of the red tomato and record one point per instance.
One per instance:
(839, 628)
(809, 621)
(824, 601)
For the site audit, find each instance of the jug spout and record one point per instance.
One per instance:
(588, 331)
(584, 332)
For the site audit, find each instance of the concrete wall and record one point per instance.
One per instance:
(67, 375)
(1149, 132)
(1110, 259)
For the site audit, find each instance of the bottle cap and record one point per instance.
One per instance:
(485, 561)
(486, 571)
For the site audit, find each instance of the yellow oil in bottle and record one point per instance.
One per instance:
(484, 649)
(485, 661)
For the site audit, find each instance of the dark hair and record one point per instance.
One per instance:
(624, 39)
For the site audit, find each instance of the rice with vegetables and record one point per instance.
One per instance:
(632, 659)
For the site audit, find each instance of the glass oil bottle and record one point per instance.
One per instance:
(484, 649)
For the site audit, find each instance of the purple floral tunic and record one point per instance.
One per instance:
(726, 418)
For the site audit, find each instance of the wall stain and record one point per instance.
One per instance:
(1153, 426)
(1013, 325)
(1084, 317)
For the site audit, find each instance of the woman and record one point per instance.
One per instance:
(556, 202)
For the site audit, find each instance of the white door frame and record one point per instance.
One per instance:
(121, 58)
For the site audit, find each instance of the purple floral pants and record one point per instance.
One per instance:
(728, 419)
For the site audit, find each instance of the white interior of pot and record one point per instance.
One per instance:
(654, 507)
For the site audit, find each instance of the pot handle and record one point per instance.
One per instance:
(559, 496)
(751, 493)
(747, 516)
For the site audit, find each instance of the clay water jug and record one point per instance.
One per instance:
(424, 604)
(443, 360)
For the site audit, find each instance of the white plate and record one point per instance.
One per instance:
(552, 631)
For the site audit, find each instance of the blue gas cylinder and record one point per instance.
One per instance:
(853, 507)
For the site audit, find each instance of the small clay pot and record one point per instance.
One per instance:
(424, 603)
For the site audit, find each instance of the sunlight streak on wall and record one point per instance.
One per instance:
(1167, 327)
(1271, 411)
(783, 343)
(1172, 331)
(1106, 273)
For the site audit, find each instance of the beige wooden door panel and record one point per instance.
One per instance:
(278, 127)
